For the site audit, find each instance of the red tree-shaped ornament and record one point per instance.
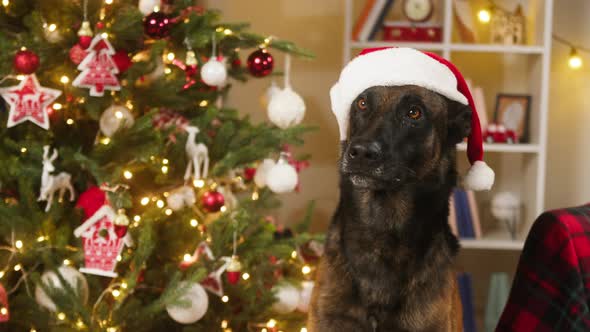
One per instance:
(98, 68)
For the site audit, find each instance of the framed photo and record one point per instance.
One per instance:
(513, 111)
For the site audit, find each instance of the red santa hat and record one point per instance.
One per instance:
(406, 66)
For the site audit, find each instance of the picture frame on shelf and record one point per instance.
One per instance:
(513, 112)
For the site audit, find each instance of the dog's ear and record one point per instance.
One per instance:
(459, 122)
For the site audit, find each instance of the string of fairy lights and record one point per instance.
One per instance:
(484, 15)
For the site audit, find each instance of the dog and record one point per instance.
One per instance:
(389, 253)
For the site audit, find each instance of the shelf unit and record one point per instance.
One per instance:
(519, 167)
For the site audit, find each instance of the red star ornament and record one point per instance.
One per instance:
(29, 101)
(98, 68)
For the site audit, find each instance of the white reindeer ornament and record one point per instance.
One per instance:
(51, 183)
(197, 154)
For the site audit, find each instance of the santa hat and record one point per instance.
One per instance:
(406, 66)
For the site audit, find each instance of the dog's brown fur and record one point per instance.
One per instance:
(388, 264)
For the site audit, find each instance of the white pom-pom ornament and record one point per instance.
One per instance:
(52, 281)
(198, 303)
(147, 6)
(285, 108)
(282, 177)
(305, 295)
(214, 72)
(115, 118)
(287, 299)
(180, 198)
(262, 172)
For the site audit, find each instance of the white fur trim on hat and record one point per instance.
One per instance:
(479, 177)
(390, 67)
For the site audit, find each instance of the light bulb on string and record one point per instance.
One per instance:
(575, 61)
(5, 3)
(484, 15)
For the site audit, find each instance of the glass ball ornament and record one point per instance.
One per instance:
(214, 73)
(212, 201)
(157, 25)
(260, 63)
(26, 62)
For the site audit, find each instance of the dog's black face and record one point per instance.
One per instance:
(401, 135)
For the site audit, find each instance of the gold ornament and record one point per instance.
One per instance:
(191, 58)
(85, 30)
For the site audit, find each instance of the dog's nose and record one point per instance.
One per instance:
(370, 151)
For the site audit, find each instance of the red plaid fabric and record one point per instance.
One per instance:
(551, 289)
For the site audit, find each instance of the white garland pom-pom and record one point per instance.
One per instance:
(286, 108)
(214, 72)
(198, 303)
(479, 177)
(305, 295)
(181, 197)
(114, 118)
(282, 178)
(147, 6)
(262, 172)
(51, 280)
(287, 299)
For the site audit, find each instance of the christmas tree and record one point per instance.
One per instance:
(132, 199)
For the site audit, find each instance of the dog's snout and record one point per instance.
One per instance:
(366, 151)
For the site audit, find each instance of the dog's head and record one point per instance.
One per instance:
(400, 135)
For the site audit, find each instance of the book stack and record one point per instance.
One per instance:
(464, 215)
(371, 19)
(466, 292)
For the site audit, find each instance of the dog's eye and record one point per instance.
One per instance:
(414, 113)
(361, 103)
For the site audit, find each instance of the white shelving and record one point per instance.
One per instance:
(521, 69)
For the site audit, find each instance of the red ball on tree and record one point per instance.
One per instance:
(157, 25)
(26, 62)
(249, 173)
(122, 60)
(100, 25)
(212, 201)
(78, 53)
(260, 63)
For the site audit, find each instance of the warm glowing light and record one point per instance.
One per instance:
(223, 209)
(156, 9)
(3, 311)
(67, 262)
(227, 32)
(41, 238)
(187, 257)
(165, 161)
(170, 56)
(167, 70)
(160, 203)
(64, 79)
(575, 61)
(166, 194)
(144, 201)
(23, 149)
(484, 15)
(219, 29)
(119, 258)
(194, 223)
(203, 103)
(305, 269)
(165, 169)
(271, 323)
(80, 324)
(255, 196)
(246, 276)
(118, 114)
(294, 254)
(303, 329)
(224, 299)
(127, 174)
(57, 106)
(17, 267)
(124, 285)
(61, 316)
(137, 218)
(20, 77)
(199, 183)
(18, 244)
(32, 329)
(2, 274)
(5, 3)
(52, 27)
(108, 2)
(104, 35)
(168, 212)
(105, 140)
(116, 293)
(70, 121)
(267, 40)
(224, 324)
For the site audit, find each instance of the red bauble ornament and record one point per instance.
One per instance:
(100, 25)
(212, 201)
(26, 62)
(120, 230)
(249, 173)
(234, 270)
(78, 53)
(260, 63)
(157, 25)
(84, 41)
(122, 60)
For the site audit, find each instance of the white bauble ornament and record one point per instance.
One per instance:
(305, 295)
(286, 108)
(287, 299)
(147, 6)
(198, 304)
(262, 172)
(74, 278)
(282, 177)
(52, 36)
(505, 205)
(113, 118)
(214, 72)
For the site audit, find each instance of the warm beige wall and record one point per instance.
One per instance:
(318, 25)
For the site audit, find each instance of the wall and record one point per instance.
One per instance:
(318, 26)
